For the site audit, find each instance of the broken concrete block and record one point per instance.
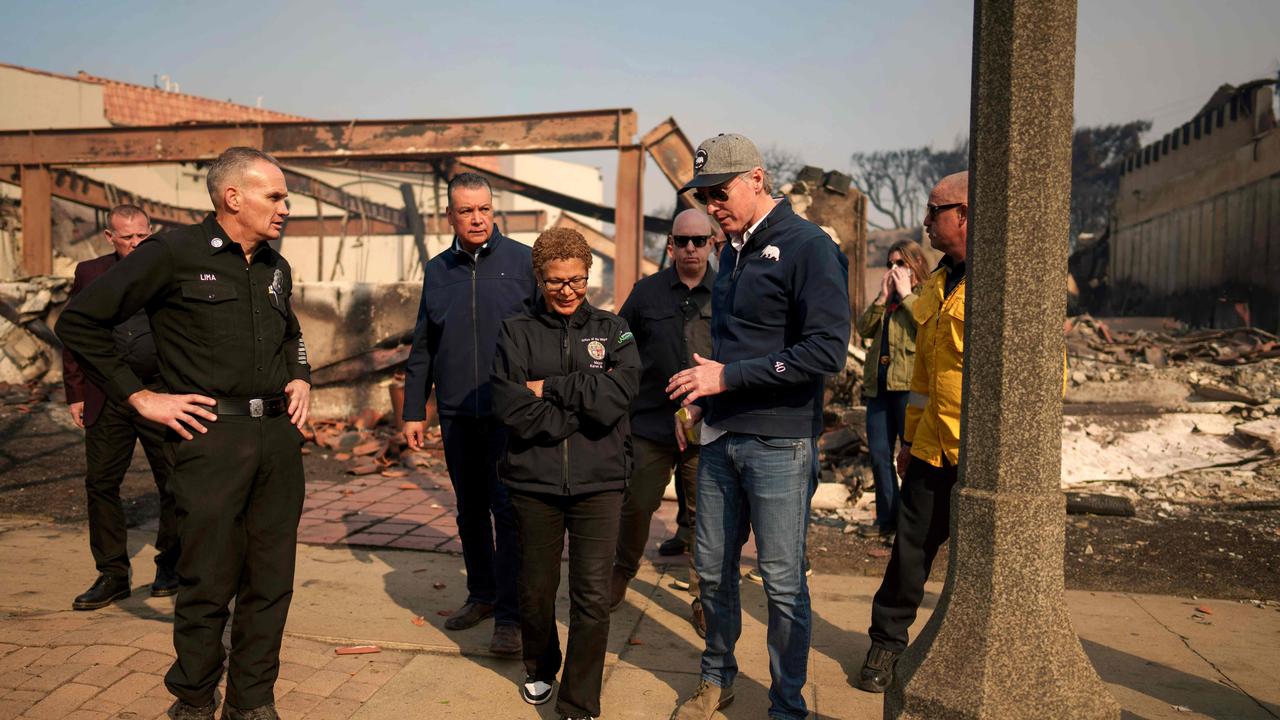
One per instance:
(1215, 425)
(1267, 430)
(830, 496)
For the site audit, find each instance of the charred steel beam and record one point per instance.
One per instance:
(628, 223)
(569, 203)
(78, 188)
(673, 154)
(547, 132)
(558, 199)
(37, 220)
(324, 192)
(600, 243)
(519, 221)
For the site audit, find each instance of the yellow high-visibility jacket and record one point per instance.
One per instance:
(933, 407)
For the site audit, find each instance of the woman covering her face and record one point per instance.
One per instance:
(886, 381)
(563, 381)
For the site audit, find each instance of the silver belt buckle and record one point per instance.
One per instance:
(255, 407)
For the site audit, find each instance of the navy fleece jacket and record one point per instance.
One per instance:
(464, 301)
(780, 326)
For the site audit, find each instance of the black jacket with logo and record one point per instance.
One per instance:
(576, 438)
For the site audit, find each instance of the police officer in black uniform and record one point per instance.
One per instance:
(233, 361)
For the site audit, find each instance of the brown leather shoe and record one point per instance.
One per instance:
(617, 588)
(506, 640)
(705, 702)
(469, 615)
(698, 620)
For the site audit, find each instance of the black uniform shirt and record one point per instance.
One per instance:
(222, 327)
(671, 322)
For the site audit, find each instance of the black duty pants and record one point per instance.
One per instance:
(592, 524)
(490, 547)
(239, 491)
(924, 523)
(653, 465)
(108, 450)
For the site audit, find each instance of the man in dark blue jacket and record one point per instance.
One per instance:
(467, 291)
(779, 327)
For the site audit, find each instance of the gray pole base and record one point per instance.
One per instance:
(1000, 644)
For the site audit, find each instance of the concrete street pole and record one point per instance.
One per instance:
(1000, 643)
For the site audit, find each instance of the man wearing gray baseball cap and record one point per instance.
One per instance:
(779, 327)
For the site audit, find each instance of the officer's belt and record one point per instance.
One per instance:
(253, 407)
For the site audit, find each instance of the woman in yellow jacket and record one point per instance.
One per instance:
(889, 325)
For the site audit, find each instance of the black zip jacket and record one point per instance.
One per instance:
(671, 323)
(576, 438)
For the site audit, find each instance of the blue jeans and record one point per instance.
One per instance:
(886, 418)
(748, 482)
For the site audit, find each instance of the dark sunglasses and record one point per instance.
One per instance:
(683, 240)
(720, 194)
(933, 210)
(895, 263)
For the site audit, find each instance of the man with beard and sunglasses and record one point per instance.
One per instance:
(670, 314)
(779, 327)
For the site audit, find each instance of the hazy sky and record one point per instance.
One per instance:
(820, 79)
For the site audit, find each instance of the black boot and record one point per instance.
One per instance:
(166, 582)
(106, 590)
(877, 671)
(179, 710)
(262, 712)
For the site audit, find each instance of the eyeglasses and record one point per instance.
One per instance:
(683, 240)
(895, 263)
(933, 210)
(577, 284)
(719, 194)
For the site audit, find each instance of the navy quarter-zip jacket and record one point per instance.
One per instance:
(464, 301)
(780, 325)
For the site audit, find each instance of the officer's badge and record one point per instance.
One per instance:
(595, 349)
(276, 291)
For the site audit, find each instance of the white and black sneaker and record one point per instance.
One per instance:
(535, 692)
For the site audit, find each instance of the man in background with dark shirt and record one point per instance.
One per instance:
(481, 279)
(111, 431)
(670, 314)
(236, 391)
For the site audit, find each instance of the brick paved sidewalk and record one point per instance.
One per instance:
(418, 512)
(110, 664)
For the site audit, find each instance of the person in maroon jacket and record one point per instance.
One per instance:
(113, 429)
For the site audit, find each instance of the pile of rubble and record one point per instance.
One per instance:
(24, 397)
(26, 315)
(1161, 341)
(1181, 418)
(369, 445)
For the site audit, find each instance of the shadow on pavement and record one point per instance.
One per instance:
(1174, 686)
